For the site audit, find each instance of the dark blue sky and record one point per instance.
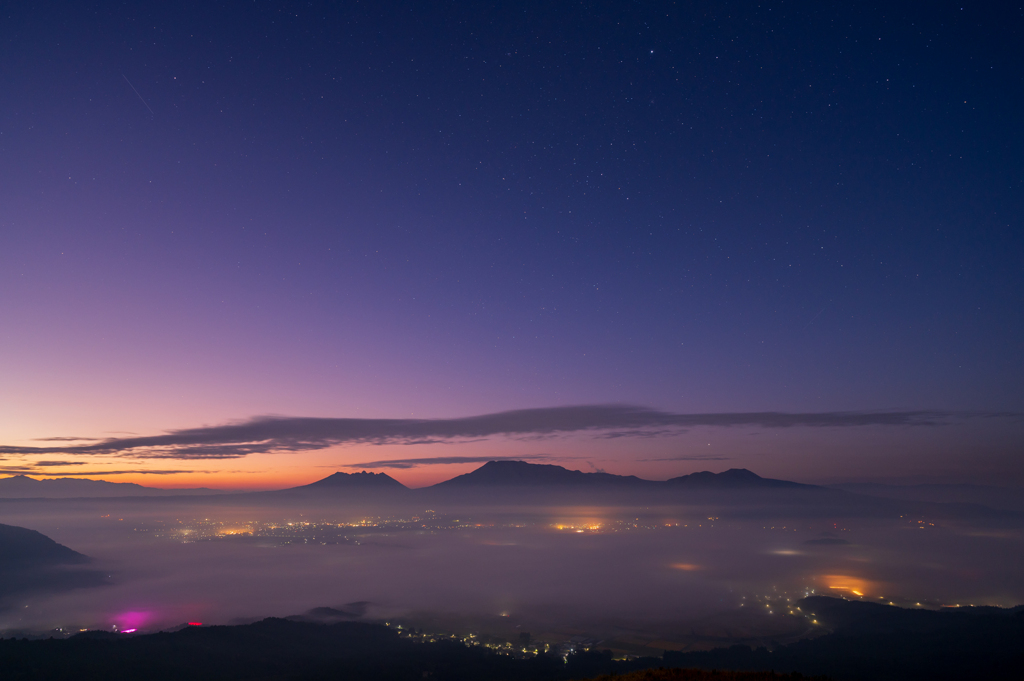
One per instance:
(441, 209)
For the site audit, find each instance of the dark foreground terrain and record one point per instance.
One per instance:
(874, 641)
(867, 641)
(663, 674)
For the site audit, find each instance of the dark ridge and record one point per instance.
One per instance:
(277, 649)
(327, 615)
(526, 474)
(330, 612)
(662, 674)
(32, 562)
(859, 641)
(879, 642)
(21, 548)
(1005, 498)
(856, 616)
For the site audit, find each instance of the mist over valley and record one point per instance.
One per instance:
(693, 564)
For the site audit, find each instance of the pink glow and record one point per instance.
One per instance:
(132, 620)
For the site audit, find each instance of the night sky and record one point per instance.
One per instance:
(216, 212)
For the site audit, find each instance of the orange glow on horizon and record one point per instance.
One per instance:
(239, 479)
(848, 584)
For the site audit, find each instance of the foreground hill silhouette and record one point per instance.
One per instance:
(867, 642)
(276, 649)
(22, 548)
(875, 641)
(662, 674)
(31, 561)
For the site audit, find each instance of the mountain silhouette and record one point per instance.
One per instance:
(732, 478)
(521, 482)
(361, 480)
(24, 487)
(521, 473)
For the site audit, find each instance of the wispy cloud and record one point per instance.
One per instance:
(45, 464)
(639, 432)
(439, 460)
(10, 470)
(691, 458)
(290, 434)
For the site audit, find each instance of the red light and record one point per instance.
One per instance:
(195, 624)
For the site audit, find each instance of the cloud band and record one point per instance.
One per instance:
(289, 434)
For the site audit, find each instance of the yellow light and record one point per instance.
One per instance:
(234, 530)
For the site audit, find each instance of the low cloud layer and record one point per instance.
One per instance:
(290, 434)
(666, 576)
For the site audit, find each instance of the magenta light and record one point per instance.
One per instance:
(132, 619)
(129, 631)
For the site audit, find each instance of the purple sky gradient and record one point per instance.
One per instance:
(410, 213)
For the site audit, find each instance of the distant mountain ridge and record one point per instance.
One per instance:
(24, 487)
(522, 473)
(504, 474)
(354, 480)
(1008, 498)
(521, 482)
(734, 477)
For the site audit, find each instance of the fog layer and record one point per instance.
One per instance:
(593, 569)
